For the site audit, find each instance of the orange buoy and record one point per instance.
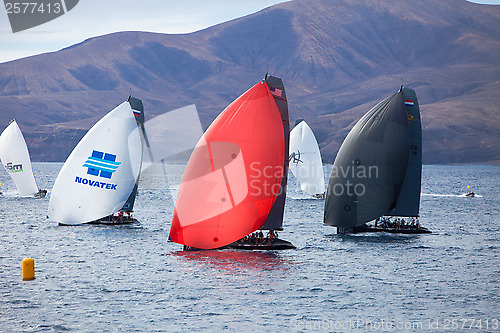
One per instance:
(28, 269)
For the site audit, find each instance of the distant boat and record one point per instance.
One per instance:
(16, 160)
(470, 194)
(305, 160)
(233, 182)
(99, 178)
(376, 175)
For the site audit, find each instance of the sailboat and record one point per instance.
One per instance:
(305, 160)
(376, 175)
(16, 161)
(99, 178)
(235, 180)
(124, 215)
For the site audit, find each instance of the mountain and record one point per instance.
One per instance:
(337, 58)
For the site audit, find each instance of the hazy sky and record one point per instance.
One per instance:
(93, 18)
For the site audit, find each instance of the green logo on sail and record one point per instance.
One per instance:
(14, 168)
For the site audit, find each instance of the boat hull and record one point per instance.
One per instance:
(364, 228)
(106, 221)
(276, 244)
(115, 221)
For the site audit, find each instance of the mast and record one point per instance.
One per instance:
(275, 218)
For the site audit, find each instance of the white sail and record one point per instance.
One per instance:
(16, 160)
(101, 172)
(305, 159)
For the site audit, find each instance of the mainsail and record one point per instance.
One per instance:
(138, 109)
(234, 174)
(409, 197)
(305, 159)
(99, 175)
(370, 167)
(16, 160)
(275, 219)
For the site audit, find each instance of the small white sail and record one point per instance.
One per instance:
(101, 172)
(16, 160)
(305, 160)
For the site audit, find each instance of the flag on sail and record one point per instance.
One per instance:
(275, 91)
(409, 102)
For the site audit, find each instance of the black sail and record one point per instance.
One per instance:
(275, 218)
(409, 198)
(370, 166)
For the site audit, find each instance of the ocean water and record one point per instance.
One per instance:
(130, 279)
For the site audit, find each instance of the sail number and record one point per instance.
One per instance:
(32, 7)
(414, 150)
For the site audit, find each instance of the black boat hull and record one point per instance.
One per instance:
(114, 222)
(365, 228)
(277, 244)
(104, 222)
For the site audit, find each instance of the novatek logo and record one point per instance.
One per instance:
(95, 183)
(14, 168)
(28, 14)
(101, 164)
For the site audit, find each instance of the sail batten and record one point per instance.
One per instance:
(16, 160)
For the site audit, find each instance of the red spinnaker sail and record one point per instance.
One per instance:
(233, 175)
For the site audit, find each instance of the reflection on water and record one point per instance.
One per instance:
(237, 260)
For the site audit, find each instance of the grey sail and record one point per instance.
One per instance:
(275, 218)
(138, 109)
(370, 166)
(409, 198)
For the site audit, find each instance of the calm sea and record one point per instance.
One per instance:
(130, 279)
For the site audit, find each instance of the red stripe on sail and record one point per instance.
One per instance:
(232, 178)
